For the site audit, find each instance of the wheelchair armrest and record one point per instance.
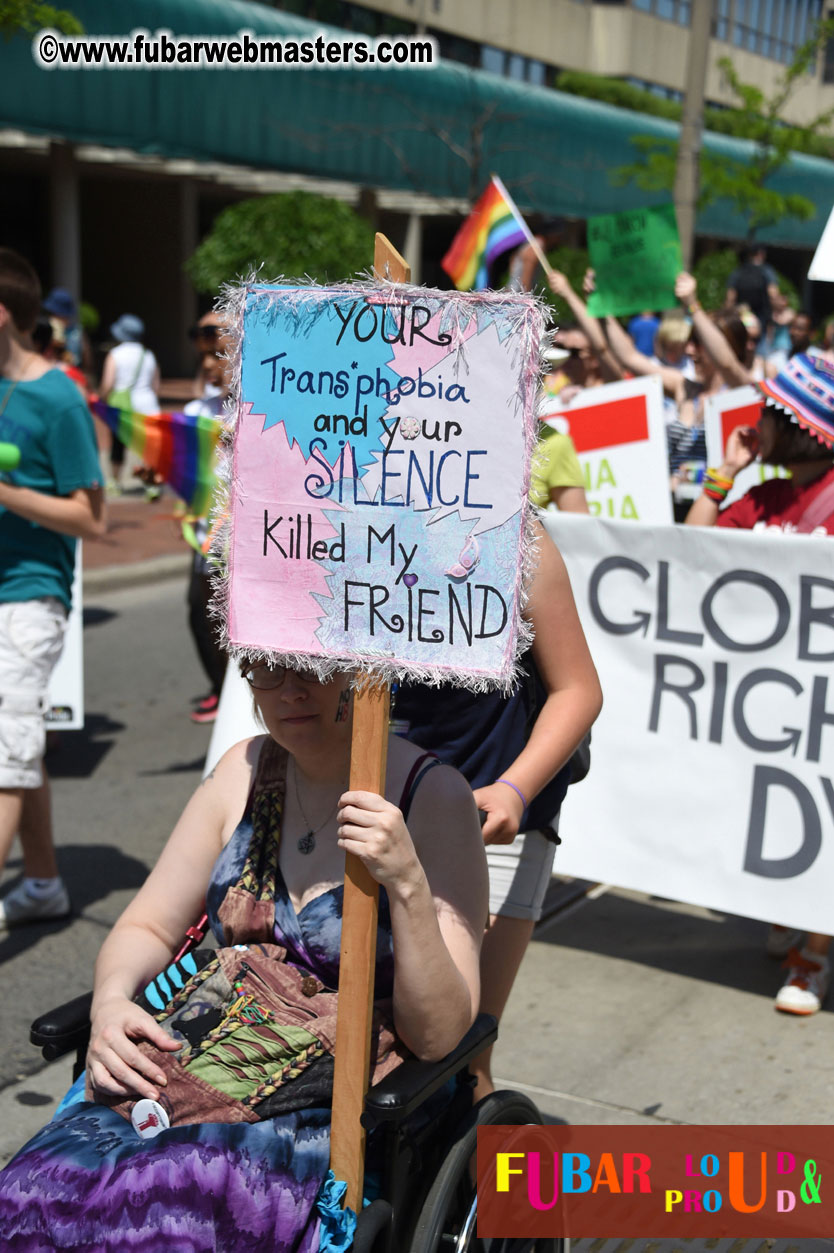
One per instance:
(64, 1029)
(400, 1093)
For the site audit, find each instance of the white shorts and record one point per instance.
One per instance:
(519, 874)
(31, 639)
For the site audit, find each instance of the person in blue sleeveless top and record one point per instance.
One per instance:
(89, 1180)
(515, 753)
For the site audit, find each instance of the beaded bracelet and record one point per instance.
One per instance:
(716, 486)
(515, 789)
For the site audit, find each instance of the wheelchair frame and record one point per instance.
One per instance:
(428, 1202)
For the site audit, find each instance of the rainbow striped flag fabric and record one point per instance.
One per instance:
(180, 447)
(493, 226)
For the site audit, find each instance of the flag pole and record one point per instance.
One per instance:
(532, 241)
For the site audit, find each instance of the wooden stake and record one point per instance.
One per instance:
(368, 756)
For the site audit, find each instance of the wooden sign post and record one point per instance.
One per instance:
(368, 756)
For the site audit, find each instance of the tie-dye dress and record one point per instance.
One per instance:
(87, 1182)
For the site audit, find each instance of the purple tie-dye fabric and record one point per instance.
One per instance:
(87, 1182)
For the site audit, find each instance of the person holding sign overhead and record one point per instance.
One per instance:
(222, 1116)
(796, 430)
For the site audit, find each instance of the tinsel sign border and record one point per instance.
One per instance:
(376, 486)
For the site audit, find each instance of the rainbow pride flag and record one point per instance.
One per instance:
(493, 226)
(181, 448)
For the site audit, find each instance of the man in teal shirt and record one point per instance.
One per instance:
(53, 498)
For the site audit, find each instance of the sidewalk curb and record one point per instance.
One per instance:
(137, 573)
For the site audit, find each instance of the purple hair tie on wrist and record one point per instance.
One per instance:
(515, 789)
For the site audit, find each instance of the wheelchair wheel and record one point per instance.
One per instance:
(447, 1220)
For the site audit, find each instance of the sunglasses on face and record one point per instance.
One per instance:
(264, 678)
(208, 332)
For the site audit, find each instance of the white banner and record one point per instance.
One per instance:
(66, 688)
(712, 776)
(723, 412)
(822, 266)
(620, 439)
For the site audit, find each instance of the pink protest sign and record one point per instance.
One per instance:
(379, 477)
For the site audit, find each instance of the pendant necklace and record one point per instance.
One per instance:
(306, 843)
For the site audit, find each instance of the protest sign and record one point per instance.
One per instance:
(822, 266)
(620, 439)
(66, 685)
(636, 256)
(723, 412)
(381, 468)
(711, 780)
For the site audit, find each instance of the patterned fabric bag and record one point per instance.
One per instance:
(258, 1033)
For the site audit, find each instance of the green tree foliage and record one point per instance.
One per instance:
(26, 17)
(743, 183)
(721, 178)
(614, 91)
(713, 271)
(722, 121)
(297, 234)
(89, 317)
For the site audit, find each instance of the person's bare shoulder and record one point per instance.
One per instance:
(227, 785)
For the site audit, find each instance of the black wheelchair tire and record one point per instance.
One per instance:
(434, 1230)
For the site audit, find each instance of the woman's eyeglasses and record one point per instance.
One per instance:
(264, 678)
(209, 333)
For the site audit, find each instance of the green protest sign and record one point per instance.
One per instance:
(637, 257)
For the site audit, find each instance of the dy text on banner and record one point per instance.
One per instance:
(712, 777)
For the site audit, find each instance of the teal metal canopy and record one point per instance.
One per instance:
(438, 131)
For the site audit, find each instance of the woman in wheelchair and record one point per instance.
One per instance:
(212, 1130)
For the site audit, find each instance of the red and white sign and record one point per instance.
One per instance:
(620, 438)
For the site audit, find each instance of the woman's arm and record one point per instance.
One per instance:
(438, 903)
(570, 499)
(152, 928)
(742, 447)
(712, 339)
(636, 362)
(574, 697)
(108, 376)
(560, 286)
